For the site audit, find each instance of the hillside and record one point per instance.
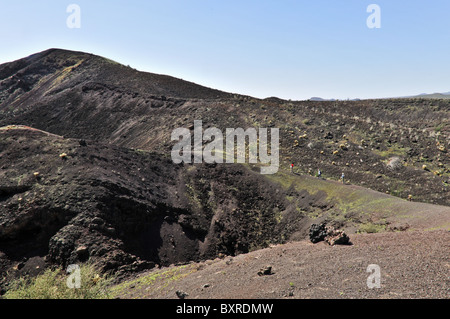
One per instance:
(445, 95)
(70, 93)
(68, 201)
(86, 173)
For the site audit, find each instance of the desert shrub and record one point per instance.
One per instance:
(52, 284)
(371, 228)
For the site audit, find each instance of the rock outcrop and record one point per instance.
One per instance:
(323, 232)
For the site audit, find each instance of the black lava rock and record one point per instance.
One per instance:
(317, 233)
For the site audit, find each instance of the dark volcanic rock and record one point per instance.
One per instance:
(320, 232)
(336, 237)
(317, 232)
(265, 271)
(126, 210)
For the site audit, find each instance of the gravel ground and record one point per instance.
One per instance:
(412, 264)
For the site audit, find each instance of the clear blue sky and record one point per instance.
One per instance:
(285, 48)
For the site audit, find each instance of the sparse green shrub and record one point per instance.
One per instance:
(439, 127)
(52, 284)
(371, 228)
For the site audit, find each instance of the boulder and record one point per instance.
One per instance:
(322, 232)
(336, 236)
(265, 271)
(181, 294)
(317, 233)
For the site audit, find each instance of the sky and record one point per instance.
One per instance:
(291, 49)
